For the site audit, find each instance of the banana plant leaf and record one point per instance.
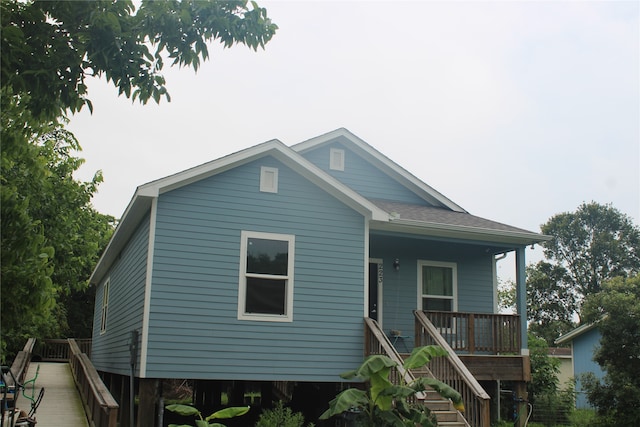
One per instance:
(345, 401)
(420, 356)
(231, 412)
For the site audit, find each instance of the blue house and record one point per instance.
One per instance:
(583, 340)
(286, 265)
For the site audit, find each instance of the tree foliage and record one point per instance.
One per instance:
(616, 308)
(589, 246)
(595, 243)
(544, 369)
(51, 236)
(551, 301)
(50, 47)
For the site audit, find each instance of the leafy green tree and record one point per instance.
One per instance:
(50, 47)
(550, 402)
(506, 296)
(551, 301)
(544, 369)
(595, 243)
(616, 308)
(589, 246)
(26, 257)
(51, 236)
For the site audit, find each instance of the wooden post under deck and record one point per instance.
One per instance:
(148, 396)
(520, 389)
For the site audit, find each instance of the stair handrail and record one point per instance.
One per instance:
(20, 364)
(452, 371)
(381, 345)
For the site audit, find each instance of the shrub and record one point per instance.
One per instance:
(281, 417)
(582, 418)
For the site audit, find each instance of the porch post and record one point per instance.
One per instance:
(521, 298)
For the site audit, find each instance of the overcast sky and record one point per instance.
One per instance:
(515, 110)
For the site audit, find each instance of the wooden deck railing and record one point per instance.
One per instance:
(100, 406)
(453, 372)
(484, 333)
(58, 350)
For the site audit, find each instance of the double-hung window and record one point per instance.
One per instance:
(437, 290)
(266, 277)
(437, 286)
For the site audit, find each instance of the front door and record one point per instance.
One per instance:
(375, 286)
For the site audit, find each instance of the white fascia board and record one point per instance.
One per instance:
(135, 211)
(384, 163)
(205, 170)
(460, 232)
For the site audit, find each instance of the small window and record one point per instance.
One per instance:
(336, 161)
(105, 305)
(268, 179)
(266, 277)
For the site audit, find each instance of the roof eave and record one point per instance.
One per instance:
(522, 238)
(571, 335)
(136, 210)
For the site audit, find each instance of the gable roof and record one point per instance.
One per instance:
(382, 162)
(577, 332)
(444, 218)
(142, 200)
(447, 219)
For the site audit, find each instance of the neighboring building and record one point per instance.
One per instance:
(265, 265)
(563, 354)
(583, 340)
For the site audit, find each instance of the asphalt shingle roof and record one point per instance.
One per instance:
(434, 215)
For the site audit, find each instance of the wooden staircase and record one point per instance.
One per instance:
(442, 408)
(376, 342)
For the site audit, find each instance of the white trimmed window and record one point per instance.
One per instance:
(437, 286)
(336, 159)
(105, 306)
(268, 179)
(266, 277)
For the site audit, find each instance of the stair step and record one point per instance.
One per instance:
(438, 405)
(444, 416)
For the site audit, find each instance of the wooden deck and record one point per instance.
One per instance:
(61, 404)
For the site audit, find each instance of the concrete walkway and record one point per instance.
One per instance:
(61, 404)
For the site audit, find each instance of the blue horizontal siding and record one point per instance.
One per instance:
(363, 177)
(584, 347)
(194, 297)
(126, 304)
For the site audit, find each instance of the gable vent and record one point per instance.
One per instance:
(268, 179)
(336, 159)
